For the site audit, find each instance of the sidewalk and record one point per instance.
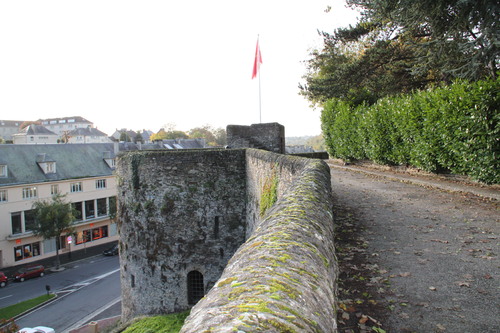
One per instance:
(416, 252)
(449, 183)
(65, 258)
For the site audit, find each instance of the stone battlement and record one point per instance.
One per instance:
(245, 234)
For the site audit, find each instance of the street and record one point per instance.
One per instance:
(84, 289)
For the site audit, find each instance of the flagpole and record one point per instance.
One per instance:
(260, 101)
(256, 72)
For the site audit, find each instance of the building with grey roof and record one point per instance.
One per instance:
(61, 125)
(35, 134)
(84, 173)
(9, 128)
(87, 135)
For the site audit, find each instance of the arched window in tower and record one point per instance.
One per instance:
(196, 289)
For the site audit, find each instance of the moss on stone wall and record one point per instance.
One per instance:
(269, 193)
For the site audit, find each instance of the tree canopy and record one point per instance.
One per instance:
(53, 218)
(213, 136)
(402, 45)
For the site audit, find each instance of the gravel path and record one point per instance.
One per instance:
(414, 258)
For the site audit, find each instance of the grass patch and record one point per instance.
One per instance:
(13, 310)
(171, 323)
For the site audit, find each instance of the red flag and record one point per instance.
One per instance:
(257, 61)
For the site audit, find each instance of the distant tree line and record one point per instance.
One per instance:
(212, 136)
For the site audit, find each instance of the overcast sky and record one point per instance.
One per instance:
(142, 64)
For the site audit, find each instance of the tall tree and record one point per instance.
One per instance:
(460, 36)
(124, 137)
(138, 137)
(402, 45)
(205, 132)
(53, 218)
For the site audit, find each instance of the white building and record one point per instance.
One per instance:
(87, 135)
(84, 173)
(35, 134)
(66, 124)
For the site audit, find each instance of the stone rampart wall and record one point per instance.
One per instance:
(178, 212)
(265, 270)
(282, 279)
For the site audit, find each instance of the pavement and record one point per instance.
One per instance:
(64, 258)
(451, 183)
(417, 252)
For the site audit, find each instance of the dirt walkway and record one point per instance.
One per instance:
(414, 258)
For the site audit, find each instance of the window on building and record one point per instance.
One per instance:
(54, 189)
(16, 223)
(102, 207)
(29, 220)
(89, 209)
(78, 210)
(98, 233)
(51, 167)
(76, 187)
(90, 235)
(3, 170)
(3, 196)
(112, 207)
(29, 192)
(195, 286)
(100, 183)
(26, 251)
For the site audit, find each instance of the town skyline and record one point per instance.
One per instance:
(143, 65)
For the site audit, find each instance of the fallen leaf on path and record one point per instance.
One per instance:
(487, 276)
(433, 288)
(441, 327)
(439, 241)
(363, 319)
(345, 316)
(405, 274)
(463, 284)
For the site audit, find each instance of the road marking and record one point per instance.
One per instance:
(93, 314)
(6, 296)
(80, 285)
(66, 293)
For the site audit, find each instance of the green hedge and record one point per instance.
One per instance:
(447, 129)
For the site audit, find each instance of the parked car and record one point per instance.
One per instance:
(112, 251)
(38, 329)
(3, 280)
(29, 272)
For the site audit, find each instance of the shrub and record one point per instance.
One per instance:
(453, 128)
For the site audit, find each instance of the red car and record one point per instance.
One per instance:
(29, 272)
(3, 280)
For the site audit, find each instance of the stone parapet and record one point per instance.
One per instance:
(255, 227)
(282, 279)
